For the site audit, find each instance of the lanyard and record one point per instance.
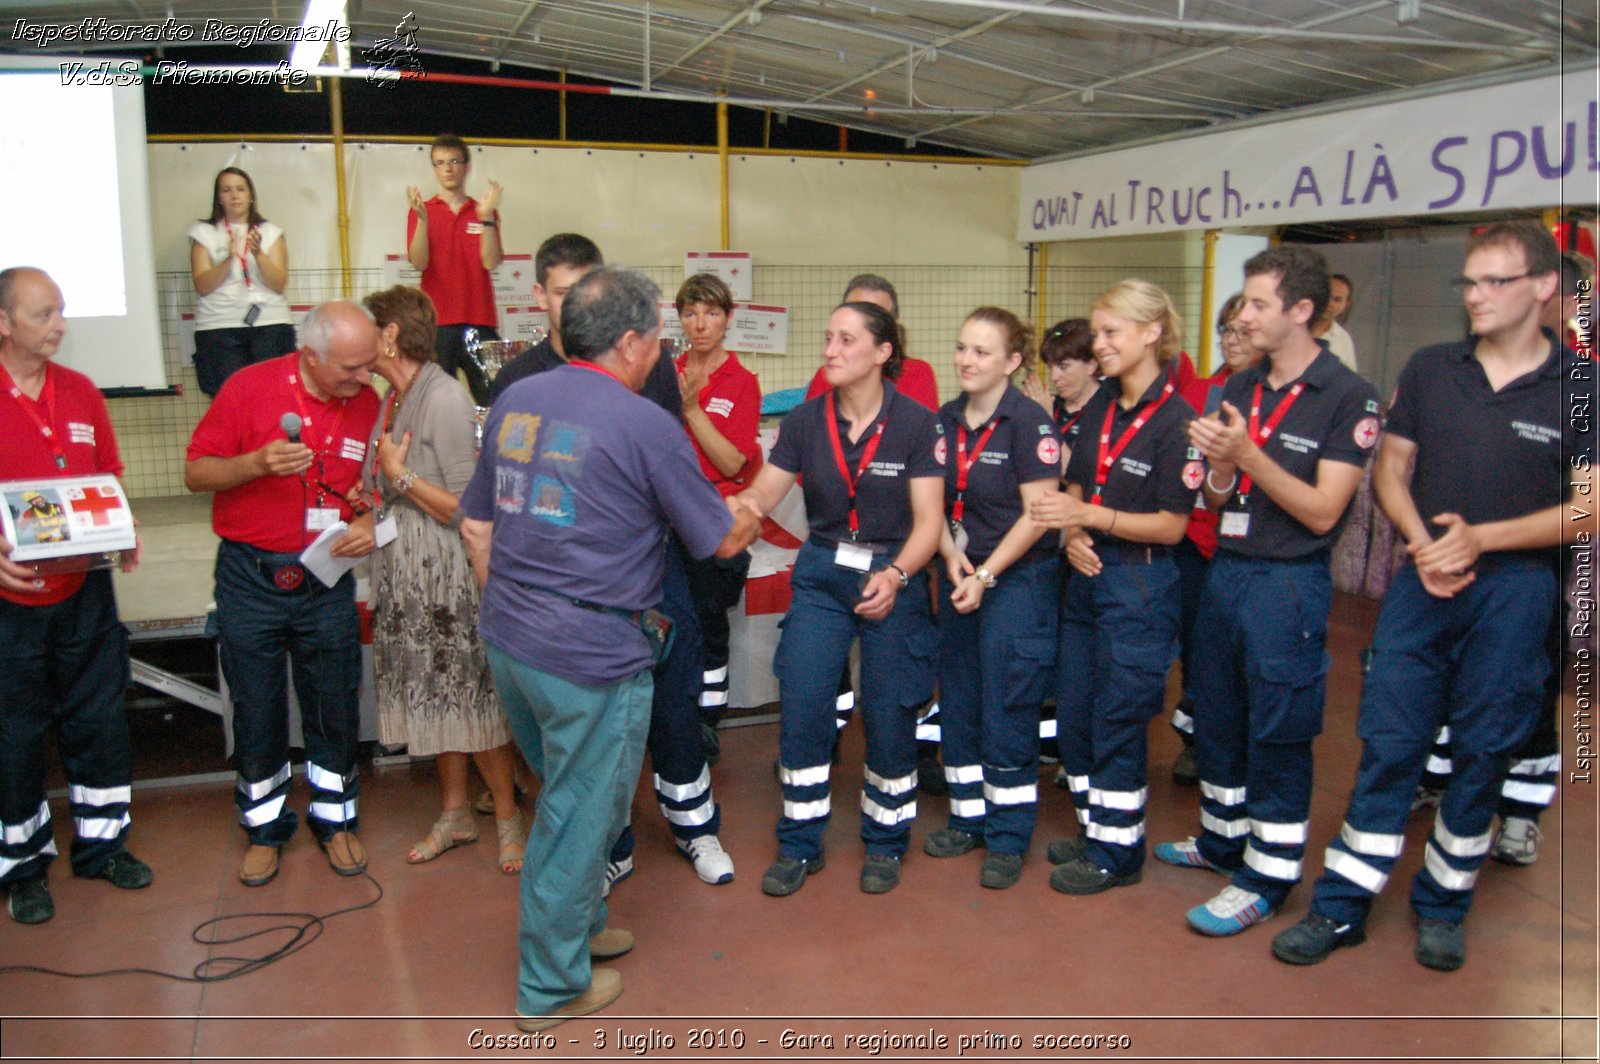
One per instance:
(327, 441)
(592, 368)
(1109, 454)
(1259, 434)
(47, 396)
(867, 454)
(965, 462)
(390, 406)
(244, 262)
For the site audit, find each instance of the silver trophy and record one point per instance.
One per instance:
(491, 356)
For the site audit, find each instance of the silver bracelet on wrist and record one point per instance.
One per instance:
(404, 482)
(1212, 484)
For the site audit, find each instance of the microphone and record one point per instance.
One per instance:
(290, 424)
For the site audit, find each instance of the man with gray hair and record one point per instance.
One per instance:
(281, 447)
(565, 522)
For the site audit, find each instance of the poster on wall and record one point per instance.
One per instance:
(734, 267)
(759, 330)
(1525, 144)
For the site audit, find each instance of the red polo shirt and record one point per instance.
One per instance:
(461, 289)
(1202, 530)
(732, 399)
(270, 512)
(76, 412)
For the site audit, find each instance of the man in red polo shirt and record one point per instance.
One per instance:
(277, 488)
(62, 649)
(455, 241)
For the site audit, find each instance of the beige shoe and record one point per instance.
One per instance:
(612, 942)
(605, 986)
(260, 864)
(345, 853)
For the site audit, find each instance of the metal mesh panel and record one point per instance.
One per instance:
(934, 300)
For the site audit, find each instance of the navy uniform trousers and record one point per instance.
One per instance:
(678, 761)
(66, 666)
(896, 674)
(259, 624)
(1260, 683)
(994, 664)
(1476, 662)
(1119, 636)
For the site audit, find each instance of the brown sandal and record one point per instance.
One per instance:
(513, 836)
(455, 827)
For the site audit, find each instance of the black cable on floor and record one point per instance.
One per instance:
(304, 929)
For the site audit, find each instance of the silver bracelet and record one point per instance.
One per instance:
(404, 482)
(1213, 484)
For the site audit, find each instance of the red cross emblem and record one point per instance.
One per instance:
(1366, 432)
(98, 503)
(1050, 450)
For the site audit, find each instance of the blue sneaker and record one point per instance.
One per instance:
(1185, 854)
(616, 872)
(1229, 912)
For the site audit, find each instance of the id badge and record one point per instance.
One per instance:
(853, 556)
(321, 517)
(385, 531)
(1234, 525)
(958, 532)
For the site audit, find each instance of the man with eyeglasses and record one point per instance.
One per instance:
(282, 447)
(455, 241)
(1460, 639)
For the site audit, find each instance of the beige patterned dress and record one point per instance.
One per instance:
(434, 689)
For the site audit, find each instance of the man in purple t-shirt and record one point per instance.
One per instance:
(565, 521)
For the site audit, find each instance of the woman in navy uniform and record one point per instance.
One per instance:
(1130, 486)
(1067, 350)
(997, 635)
(872, 491)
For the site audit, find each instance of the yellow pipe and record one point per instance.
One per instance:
(1208, 287)
(722, 168)
(594, 145)
(336, 107)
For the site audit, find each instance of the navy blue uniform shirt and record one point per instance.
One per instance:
(1148, 475)
(1024, 447)
(883, 496)
(1488, 455)
(1335, 418)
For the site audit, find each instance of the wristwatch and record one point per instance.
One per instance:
(986, 578)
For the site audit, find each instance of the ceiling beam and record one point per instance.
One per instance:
(728, 26)
(1234, 28)
(1171, 64)
(893, 64)
(514, 32)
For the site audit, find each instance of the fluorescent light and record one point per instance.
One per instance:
(307, 54)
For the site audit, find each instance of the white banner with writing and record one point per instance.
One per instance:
(1527, 144)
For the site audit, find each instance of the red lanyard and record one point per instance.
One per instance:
(47, 397)
(1259, 434)
(592, 368)
(1109, 454)
(965, 462)
(244, 263)
(305, 418)
(389, 405)
(844, 467)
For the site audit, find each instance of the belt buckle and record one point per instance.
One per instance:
(289, 577)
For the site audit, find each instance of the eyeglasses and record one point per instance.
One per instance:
(1489, 284)
(449, 164)
(1236, 332)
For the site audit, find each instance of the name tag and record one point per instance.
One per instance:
(321, 517)
(1234, 525)
(474, 228)
(385, 531)
(853, 556)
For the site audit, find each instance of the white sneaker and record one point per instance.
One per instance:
(711, 862)
(616, 872)
(1518, 842)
